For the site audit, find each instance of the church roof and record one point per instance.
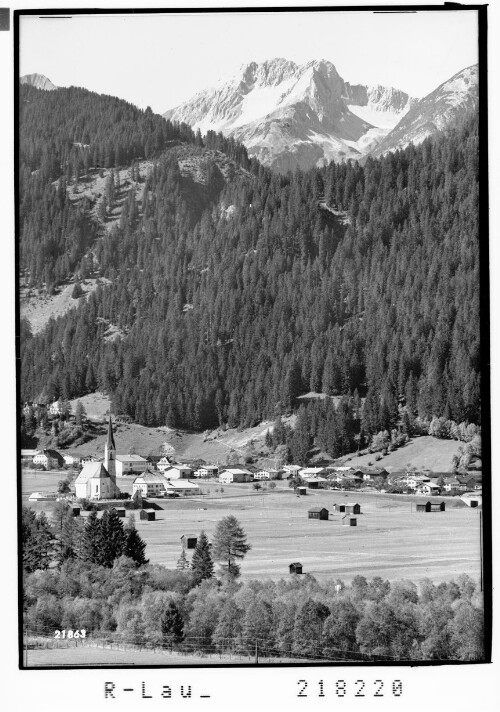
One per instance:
(91, 470)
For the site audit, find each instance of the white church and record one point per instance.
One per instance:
(97, 480)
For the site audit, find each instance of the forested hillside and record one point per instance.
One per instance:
(338, 279)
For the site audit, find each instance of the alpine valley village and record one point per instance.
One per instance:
(250, 372)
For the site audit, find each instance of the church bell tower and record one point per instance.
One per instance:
(110, 453)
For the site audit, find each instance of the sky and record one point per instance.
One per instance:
(162, 60)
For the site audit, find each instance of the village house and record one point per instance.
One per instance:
(28, 455)
(149, 484)
(88, 458)
(49, 459)
(267, 474)
(130, 465)
(235, 474)
(97, 480)
(55, 408)
(311, 472)
(163, 464)
(207, 471)
(71, 459)
(429, 488)
(414, 481)
(291, 470)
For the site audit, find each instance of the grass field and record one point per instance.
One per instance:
(390, 540)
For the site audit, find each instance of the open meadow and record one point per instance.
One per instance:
(390, 540)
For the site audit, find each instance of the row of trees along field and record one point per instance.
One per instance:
(120, 598)
(227, 318)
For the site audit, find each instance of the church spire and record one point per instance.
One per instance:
(110, 443)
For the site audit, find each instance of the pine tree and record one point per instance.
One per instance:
(135, 546)
(172, 625)
(230, 544)
(201, 563)
(182, 562)
(80, 414)
(36, 540)
(92, 540)
(112, 537)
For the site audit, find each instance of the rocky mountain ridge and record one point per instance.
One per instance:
(39, 81)
(290, 115)
(434, 112)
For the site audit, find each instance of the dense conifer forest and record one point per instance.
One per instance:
(351, 280)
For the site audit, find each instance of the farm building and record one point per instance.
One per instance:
(317, 513)
(179, 472)
(189, 541)
(235, 474)
(184, 488)
(311, 471)
(148, 514)
(302, 490)
(120, 511)
(295, 568)
(315, 482)
(150, 484)
(349, 521)
(431, 507)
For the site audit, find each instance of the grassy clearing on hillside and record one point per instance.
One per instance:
(39, 308)
(97, 405)
(423, 452)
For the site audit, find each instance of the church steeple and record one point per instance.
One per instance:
(110, 446)
(110, 452)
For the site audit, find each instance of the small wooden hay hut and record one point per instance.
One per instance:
(302, 490)
(340, 507)
(295, 568)
(349, 521)
(423, 507)
(437, 506)
(75, 511)
(317, 513)
(353, 508)
(148, 514)
(189, 541)
(120, 512)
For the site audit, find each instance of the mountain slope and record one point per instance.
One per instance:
(39, 81)
(290, 115)
(434, 112)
